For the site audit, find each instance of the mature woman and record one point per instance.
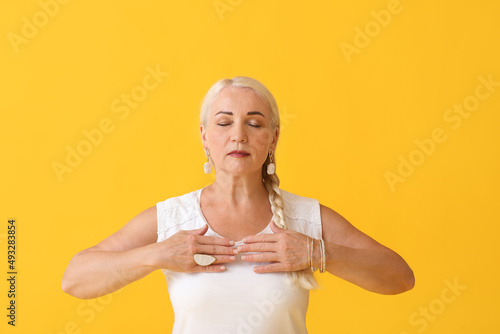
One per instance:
(239, 254)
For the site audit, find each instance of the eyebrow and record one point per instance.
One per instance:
(249, 113)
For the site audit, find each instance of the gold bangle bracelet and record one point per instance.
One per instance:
(323, 257)
(308, 251)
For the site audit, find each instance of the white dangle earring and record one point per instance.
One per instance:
(271, 168)
(207, 167)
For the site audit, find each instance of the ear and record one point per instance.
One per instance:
(203, 134)
(276, 134)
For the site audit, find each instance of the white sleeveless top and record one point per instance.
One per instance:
(237, 300)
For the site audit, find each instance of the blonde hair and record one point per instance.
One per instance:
(303, 278)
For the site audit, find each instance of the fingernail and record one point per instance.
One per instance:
(244, 240)
(232, 258)
(235, 251)
(222, 268)
(244, 257)
(231, 242)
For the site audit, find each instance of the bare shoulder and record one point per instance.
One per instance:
(339, 230)
(139, 231)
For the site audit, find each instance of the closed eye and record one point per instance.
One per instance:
(226, 124)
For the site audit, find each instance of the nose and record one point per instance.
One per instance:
(239, 135)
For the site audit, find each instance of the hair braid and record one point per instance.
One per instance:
(305, 277)
(277, 205)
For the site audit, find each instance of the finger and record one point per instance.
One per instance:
(258, 247)
(210, 269)
(224, 259)
(204, 240)
(260, 238)
(261, 257)
(272, 268)
(216, 250)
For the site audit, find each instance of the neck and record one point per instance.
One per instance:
(236, 190)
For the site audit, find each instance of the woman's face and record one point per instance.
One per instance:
(239, 121)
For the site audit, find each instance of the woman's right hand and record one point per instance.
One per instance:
(177, 252)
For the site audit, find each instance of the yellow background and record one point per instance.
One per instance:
(346, 122)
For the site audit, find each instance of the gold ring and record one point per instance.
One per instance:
(204, 259)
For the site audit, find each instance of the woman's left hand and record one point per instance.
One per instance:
(287, 250)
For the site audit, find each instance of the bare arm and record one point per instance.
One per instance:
(132, 253)
(357, 258)
(118, 260)
(350, 255)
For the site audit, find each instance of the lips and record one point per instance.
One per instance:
(238, 153)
